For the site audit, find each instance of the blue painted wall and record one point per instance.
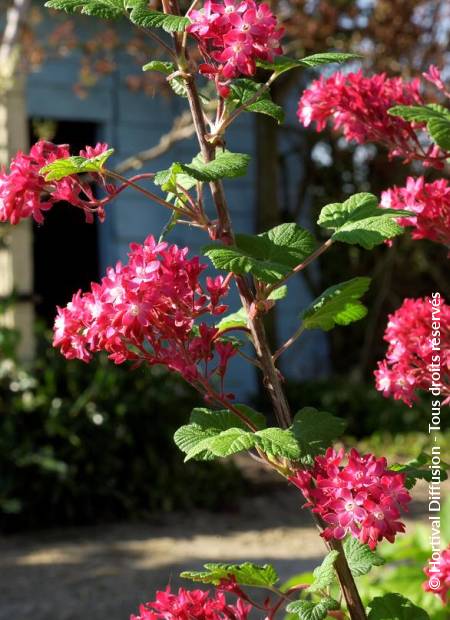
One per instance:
(132, 122)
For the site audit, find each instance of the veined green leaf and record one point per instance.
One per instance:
(269, 256)
(105, 9)
(281, 64)
(61, 168)
(309, 610)
(246, 574)
(338, 305)
(395, 607)
(315, 430)
(360, 558)
(324, 574)
(148, 18)
(243, 89)
(359, 220)
(436, 117)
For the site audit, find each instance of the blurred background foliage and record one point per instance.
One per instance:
(85, 444)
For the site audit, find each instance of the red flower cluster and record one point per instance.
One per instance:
(145, 311)
(24, 192)
(431, 203)
(359, 106)
(362, 498)
(410, 362)
(439, 572)
(192, 604)
(232, 36)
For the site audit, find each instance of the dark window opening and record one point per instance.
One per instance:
(65, 247)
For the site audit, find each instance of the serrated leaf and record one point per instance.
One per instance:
(188, 437)
(242, 90)
(144, 17)
(395, 607)
(61, 168)
(105, 9)
(307, 610)
(436, 117)
(278, 442)
(278, 293)
(360, 558)
(269, 256)
(234, 320)
(338, 305)
(359, 220)
(281, 64)
(246, 574)
(229, 442)
(226, 165)
(224, 419)
(324, 574)
(414, 470)
(315, 430)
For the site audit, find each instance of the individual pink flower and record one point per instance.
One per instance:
(354, 494)
(431, 204)
(147, 311)
(192, 605)
(358, 106)
(438, 576)
(25, 193)
(433, 75)
(410, 360)
(232, 37)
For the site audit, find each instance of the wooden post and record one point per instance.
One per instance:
(16, 242)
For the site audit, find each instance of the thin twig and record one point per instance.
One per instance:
(289, 342)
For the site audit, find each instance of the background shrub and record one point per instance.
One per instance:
(84, 444)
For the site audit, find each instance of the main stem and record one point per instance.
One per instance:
(272, 378)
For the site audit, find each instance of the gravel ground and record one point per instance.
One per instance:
(104, 572)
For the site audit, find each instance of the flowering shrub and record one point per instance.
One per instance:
(189, 604)
(430, 203)
(362, 498)
(154, 309)
(441, 572)
(410, 357)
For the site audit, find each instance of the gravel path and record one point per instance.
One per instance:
(105, 572)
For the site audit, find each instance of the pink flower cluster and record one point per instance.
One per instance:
(145, 311)
(25, 193)
(410, 363)
(439, 572)
(192, 604)
(359, 106)
(361, 498)
(232, 36)
(431, 203)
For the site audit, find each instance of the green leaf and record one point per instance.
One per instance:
(307, 610)
(359, 220)
(395, 607)
(188, 437)
(338, 305)
(418, 469)
(326, 58)
(436, 117)
(228, 442)
(144, 17)
(226, 165)
(236, 319)
(281, 64)
(246, 574)
(162, 66)
(278, 293)
(324, 574)
(315, 430)
(242, 90)
(278, 442)
(360, 558)
(269, 256)
(61, 168)
(224, 419)
(106, 9)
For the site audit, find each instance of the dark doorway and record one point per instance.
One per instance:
(65, 246)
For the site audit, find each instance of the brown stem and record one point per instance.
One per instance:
(347, 583)
(272, 378)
